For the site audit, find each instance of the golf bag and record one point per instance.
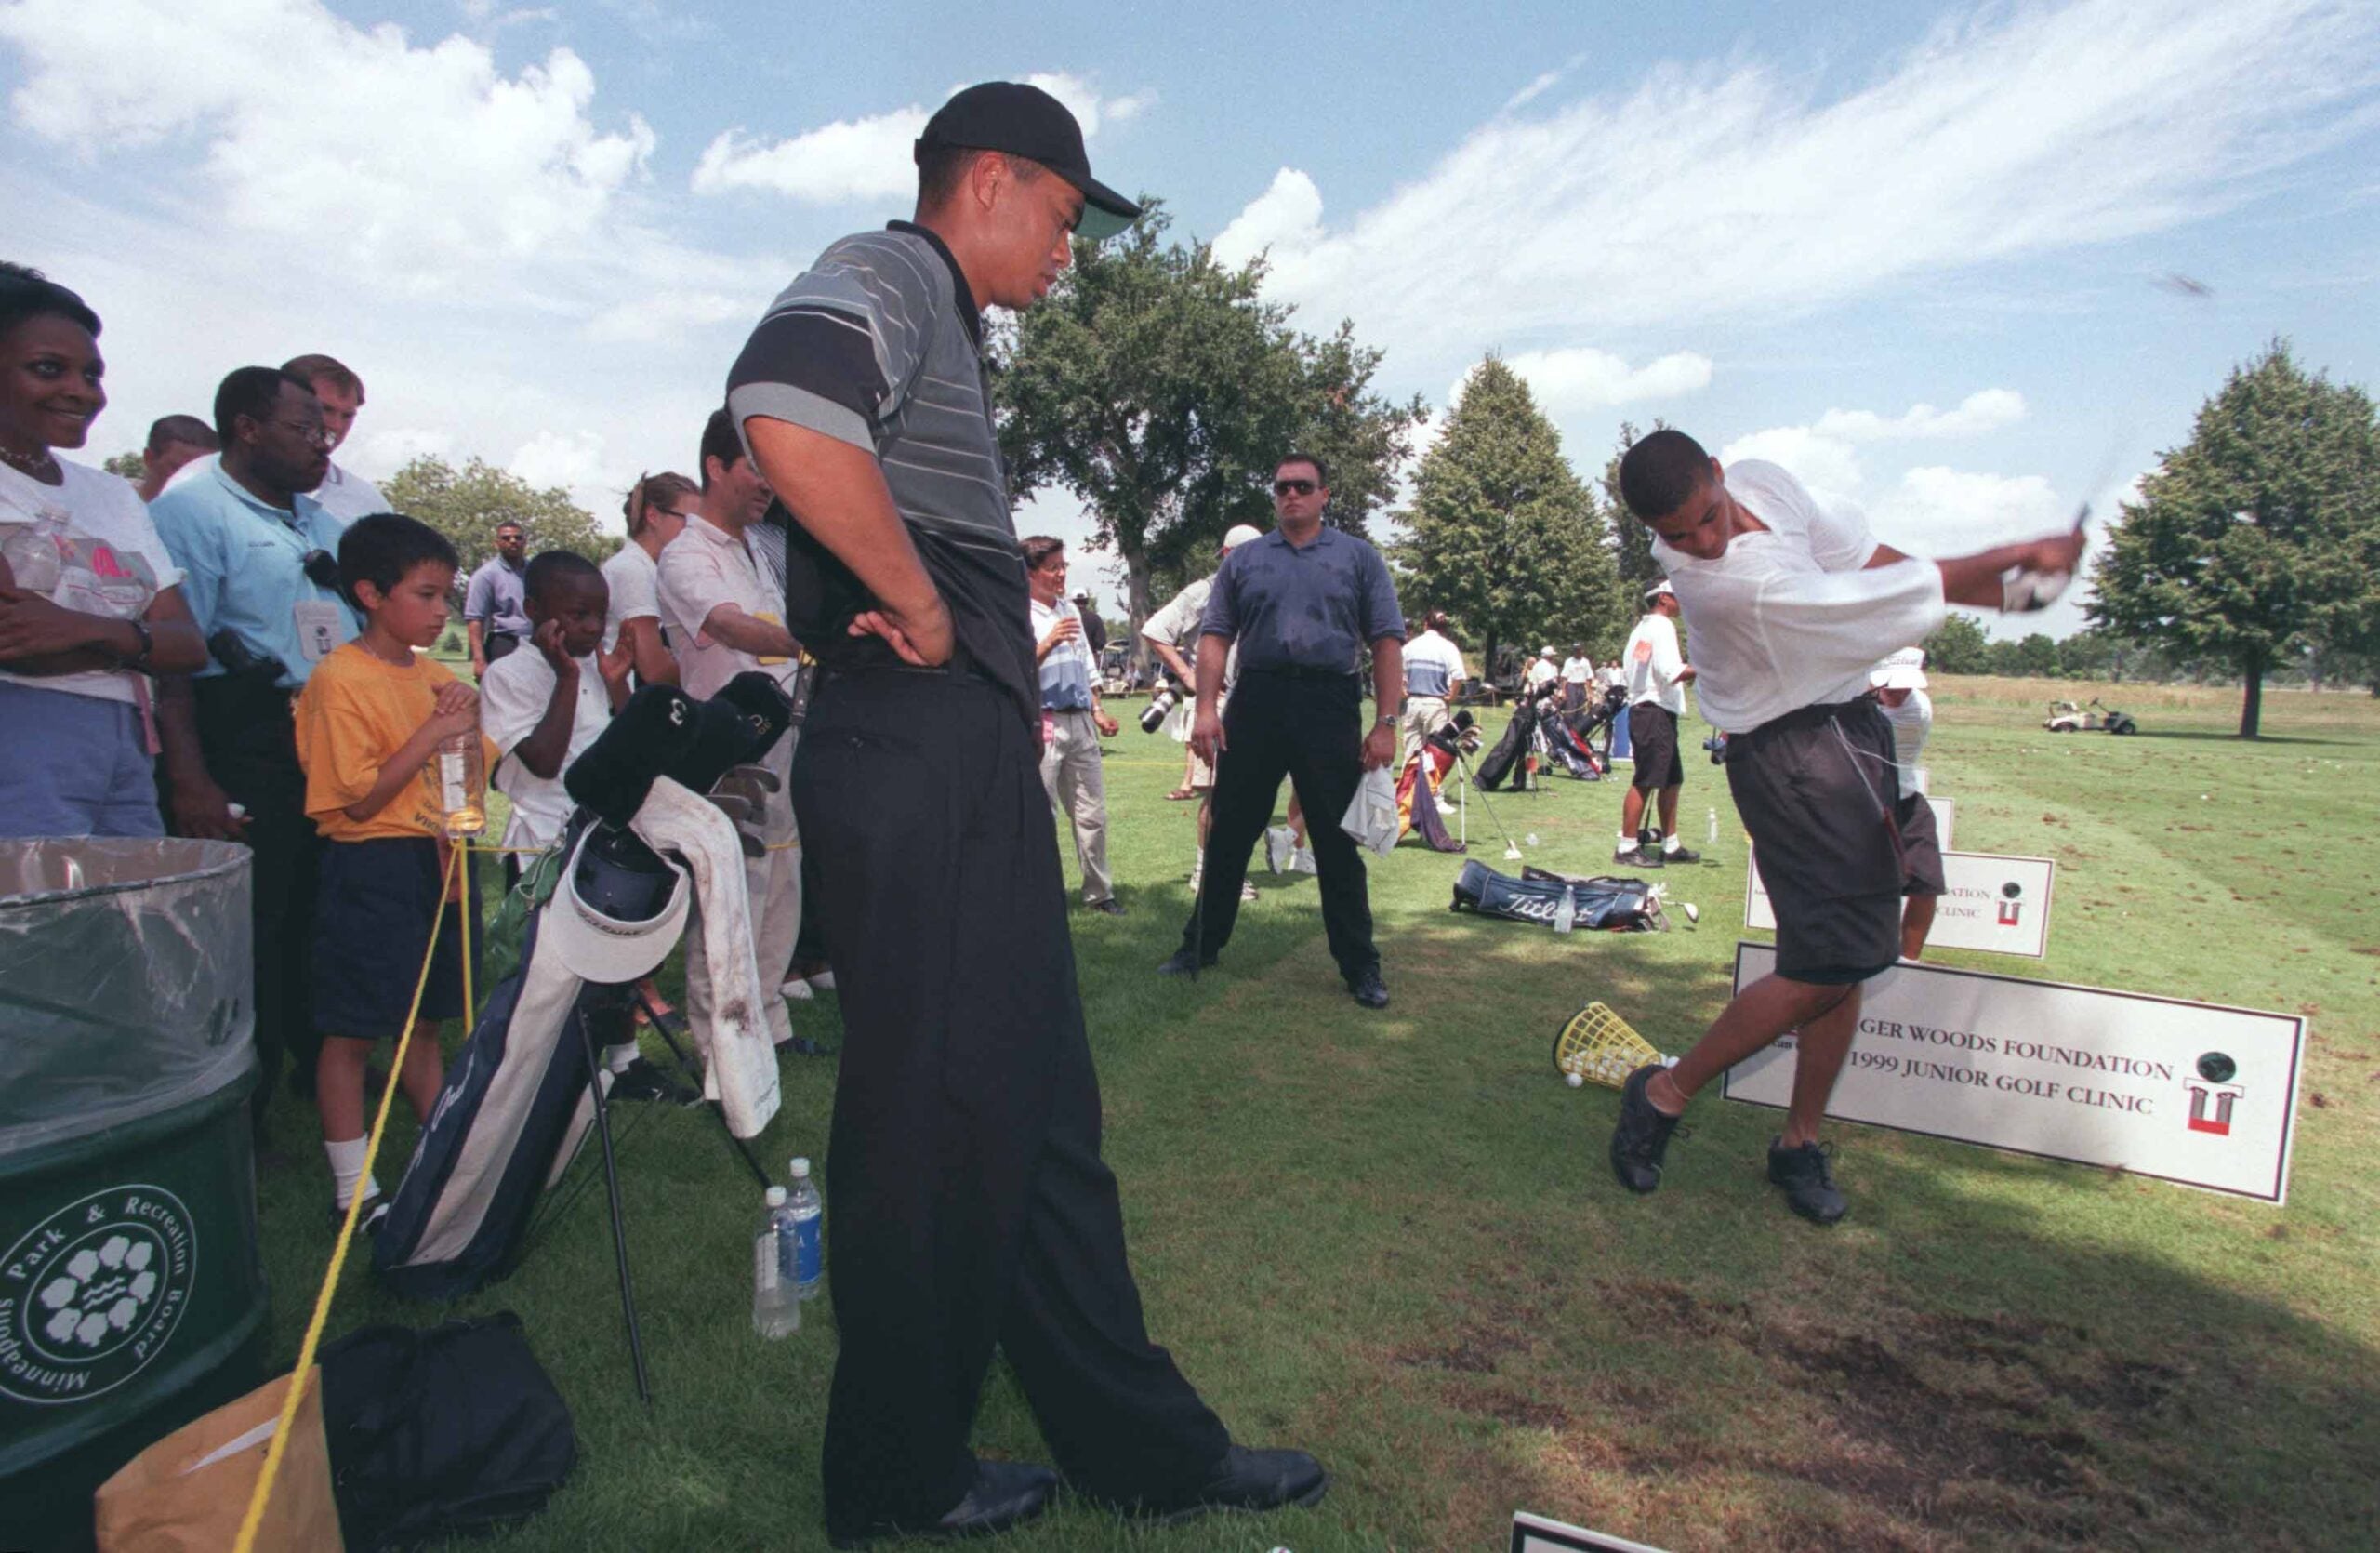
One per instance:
(1417, 790)
(1610, 904)
(518, 1099)
(1510, 757)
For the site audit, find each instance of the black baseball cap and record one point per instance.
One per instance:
(1026, 120)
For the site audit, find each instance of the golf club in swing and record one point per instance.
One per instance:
(1512, 847)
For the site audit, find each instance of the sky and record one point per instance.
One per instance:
(1966, 267)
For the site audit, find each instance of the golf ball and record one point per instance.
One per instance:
(1574, 1079)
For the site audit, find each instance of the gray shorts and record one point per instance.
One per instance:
(1839, 843)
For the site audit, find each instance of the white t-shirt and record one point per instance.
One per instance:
(1911, 721)
(701, 569)
(1541, 671)
(1578, 670)
(110, 561)
(513, 699)
(635, 583)
(1432, 665)
(1787, 618)
(1653, 661)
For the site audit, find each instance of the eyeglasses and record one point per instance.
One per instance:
(1292, 487)
(317, 434)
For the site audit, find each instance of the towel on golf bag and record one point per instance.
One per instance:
(740, 1054)
(453, 1429)
(1612, 904)
(1371, 818)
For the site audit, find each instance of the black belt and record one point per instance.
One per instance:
(1800, 717)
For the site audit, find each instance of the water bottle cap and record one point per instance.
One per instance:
(801, 1169)
(775, 1196)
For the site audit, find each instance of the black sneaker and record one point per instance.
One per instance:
(1642, 1136)
(1807, 1175)
(1246, 1480)
(642, 1081)
(1181, 964)
(1369, 990)
(1681, 854)
(1111, 907)
(1636, 858)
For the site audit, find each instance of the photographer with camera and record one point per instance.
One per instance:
(1172, 635)
(260, 577)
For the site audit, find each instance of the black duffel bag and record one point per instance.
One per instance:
(1606, 902)
(456, 1429)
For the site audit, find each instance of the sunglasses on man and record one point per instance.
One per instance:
(1293, 487)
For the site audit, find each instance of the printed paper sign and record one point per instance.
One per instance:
(1758, 911)
(1997, 903)
(2193, 1093)
(1535, 1533)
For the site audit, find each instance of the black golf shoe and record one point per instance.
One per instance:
(1005, 1493)
(1807, 1175)
(1181, 963)
(1682, 854)
(1369, 989)
(1641, 1138)
(1248, 1480)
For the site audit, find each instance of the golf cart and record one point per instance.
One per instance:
(2065, 717)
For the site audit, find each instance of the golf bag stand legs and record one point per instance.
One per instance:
(677, 1055)
(619, 1222)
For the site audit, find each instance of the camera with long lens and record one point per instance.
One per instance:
(1717, 745)
(1160, 707)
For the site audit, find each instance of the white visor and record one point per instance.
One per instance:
(600, 949)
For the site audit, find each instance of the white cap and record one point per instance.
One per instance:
(800, 1167)
(1239, 534)
(1546, 651)
(1661, 589)
(774, 1197)
(1903, 670)
(602, 949)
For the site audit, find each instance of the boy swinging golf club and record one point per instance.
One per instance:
(1789, 604)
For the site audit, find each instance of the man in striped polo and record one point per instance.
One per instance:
(970, 1208)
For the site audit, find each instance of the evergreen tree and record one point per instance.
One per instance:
(1503, 535)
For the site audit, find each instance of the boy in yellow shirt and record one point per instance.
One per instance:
(372, 716)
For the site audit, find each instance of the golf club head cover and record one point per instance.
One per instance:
(750, 713)
(654, 730)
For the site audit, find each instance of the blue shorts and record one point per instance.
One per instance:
(372, 916)
(73, 765)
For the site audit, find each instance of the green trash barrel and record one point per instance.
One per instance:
(132, 1296)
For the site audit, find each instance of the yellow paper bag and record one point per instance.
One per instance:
(188, 1493)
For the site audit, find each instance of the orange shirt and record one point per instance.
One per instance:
(355, 712)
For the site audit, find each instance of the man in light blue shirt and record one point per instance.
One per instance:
(261, 575)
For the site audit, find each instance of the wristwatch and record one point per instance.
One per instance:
(139, 660)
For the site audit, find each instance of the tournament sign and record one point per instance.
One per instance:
(2193, 1093)
(1535, 1533)
(1996, 903)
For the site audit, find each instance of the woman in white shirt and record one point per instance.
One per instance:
(89, 603)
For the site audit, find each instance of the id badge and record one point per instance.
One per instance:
(317, 622)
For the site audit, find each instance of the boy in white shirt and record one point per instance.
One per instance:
(1657, 674)
(541, 709)
(1789, 604)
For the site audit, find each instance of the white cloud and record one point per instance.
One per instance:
(668, 317)
(575, 460)
(1825, 455)
(871, 158)
(414, 166)
(1829, 466)
(1287, 216)
(1580, 379)
(1737, 192)
(1985, 410)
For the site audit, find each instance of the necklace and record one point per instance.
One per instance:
(43, 462)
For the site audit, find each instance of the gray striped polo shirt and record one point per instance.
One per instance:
(879, 344)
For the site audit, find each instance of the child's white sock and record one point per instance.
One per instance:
(347, 1170)
(617, 1057)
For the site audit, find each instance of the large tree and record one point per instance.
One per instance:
(1959, 647)
(2258, 538)
(127, 466)
(466, 505)
(1504, 536)
(1159, 386)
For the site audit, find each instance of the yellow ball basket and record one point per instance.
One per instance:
(1599, 1047)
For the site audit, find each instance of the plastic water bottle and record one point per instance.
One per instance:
(776, 1309)
(1565, 915)
(1711, 834)
(808, 1268)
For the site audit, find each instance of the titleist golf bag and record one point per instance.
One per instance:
(1610, 904)
(517, 1100)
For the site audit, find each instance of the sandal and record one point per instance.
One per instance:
(1178, 794)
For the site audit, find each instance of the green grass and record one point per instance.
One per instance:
(1392, 1238)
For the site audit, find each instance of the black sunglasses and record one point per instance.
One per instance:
(1292, 487)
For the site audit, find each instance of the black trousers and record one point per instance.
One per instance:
(250, 745)
(968, 1206)
(1311, 731)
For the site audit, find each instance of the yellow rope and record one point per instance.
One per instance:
(313, 1341)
